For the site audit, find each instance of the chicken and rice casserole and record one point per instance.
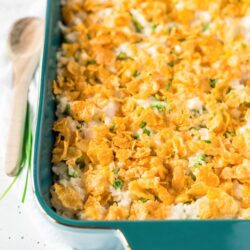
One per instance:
(153, 118)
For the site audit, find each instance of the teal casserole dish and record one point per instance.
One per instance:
(112, 235)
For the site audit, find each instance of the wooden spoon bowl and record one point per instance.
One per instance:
(25, 36)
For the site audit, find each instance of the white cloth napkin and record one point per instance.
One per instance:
(21, 225)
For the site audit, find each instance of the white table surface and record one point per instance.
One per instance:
(21, 225)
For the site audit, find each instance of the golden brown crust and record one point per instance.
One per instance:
(153, 113)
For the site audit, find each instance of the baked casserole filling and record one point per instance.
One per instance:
(153, 118)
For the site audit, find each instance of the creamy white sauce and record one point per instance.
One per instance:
(71, 37)
(245, 24)
(125, 48)
(110, 111)
(239, 89)
(195, 103)
(152, 50)
(193, 159)
(204, 16)
(204, 134)
(245, 128)
(184, 211)
(179, 6)
(60, 170)
(76, 183)
(144, 103)
(88, 129)
(178, 49)
(122, 197)
(61, 106)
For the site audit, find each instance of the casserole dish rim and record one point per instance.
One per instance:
(52, 215)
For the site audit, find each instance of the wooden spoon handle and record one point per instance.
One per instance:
(16, 127)
(24, 69)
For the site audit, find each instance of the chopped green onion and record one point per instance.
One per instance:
(157, 199)
(91, 62)
(192, 175)
(154, 27)
(72, 173)
(193, 129)
(200, 160)
(207, 141)
(168, 86)
(205, 27)
(143, 200)
(122, 56)
(89, 37)
(198, 127)
(112, 128)
(195, 112)
(116, 170)
(182, 40)
(229, 90)
(171, 64)
(146, 131)
(118, 184)
(66, 111)
(138, 27)
(136, 136)
(213, 82)
(229, 133)
(135, 73)
(160, 106)
(80, 162)
(173, 26)
(156, 97)
(143, 125)
(202, 157)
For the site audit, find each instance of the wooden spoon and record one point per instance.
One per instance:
(25, 43)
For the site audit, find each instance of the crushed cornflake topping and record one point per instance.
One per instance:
(153, 118)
